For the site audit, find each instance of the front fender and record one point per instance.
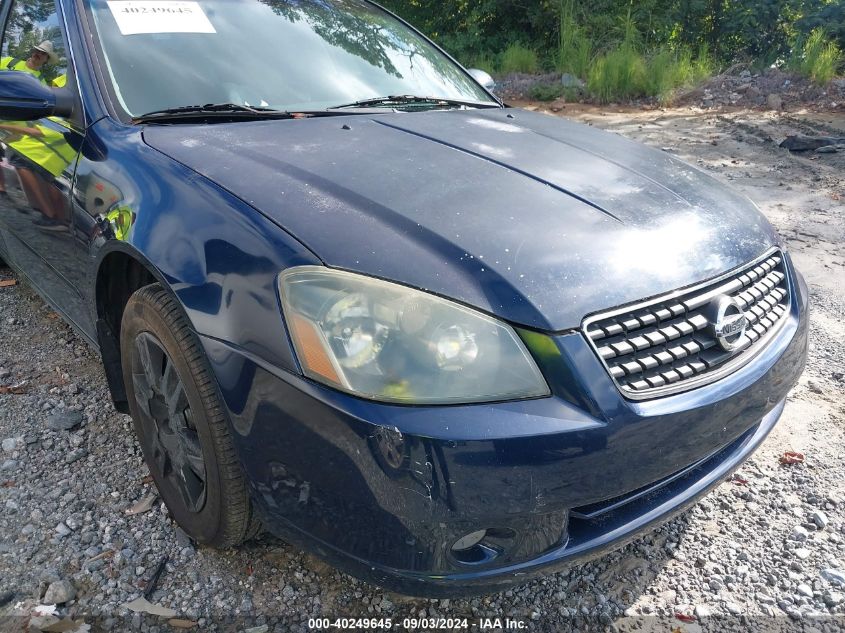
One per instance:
(218, 255)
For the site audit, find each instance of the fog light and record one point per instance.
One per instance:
(469, 541)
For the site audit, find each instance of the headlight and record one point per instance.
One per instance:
(386, 342)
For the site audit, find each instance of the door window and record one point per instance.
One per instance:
(39, 156)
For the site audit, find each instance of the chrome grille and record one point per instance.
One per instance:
(668, 345)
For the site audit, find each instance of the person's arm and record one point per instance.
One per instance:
(21, 130)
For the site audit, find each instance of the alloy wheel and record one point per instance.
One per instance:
(170, 435)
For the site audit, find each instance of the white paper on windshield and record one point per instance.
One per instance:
(153, 16)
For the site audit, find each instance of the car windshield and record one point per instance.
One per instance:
(291, 55)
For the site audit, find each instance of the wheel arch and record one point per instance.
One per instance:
(121, 272)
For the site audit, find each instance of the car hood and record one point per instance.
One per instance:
(536, 219)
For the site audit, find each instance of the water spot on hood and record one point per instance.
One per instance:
(303, 148)
(496, 125)
(489, 150)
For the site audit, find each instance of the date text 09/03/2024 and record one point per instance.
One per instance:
(412, 624)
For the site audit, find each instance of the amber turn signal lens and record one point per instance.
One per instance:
(311, 348)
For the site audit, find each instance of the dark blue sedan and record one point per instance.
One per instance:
(349, 296)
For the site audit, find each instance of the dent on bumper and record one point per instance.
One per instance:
(588, 538)
(384, 491)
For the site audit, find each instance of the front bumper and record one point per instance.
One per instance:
(384, 491)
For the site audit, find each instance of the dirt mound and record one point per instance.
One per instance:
(519, 86)
(772, 89)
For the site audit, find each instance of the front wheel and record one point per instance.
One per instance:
(181, 422)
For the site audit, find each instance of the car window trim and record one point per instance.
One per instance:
(91, 40)
(82, 123)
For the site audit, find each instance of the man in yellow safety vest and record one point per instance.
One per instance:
(40, 55)
(39, 155)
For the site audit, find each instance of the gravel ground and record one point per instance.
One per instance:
(765, 551)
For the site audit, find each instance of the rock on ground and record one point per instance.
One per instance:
(60, 592)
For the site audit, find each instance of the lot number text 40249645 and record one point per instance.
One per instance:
(415, 624)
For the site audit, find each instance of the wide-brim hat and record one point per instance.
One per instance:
(47, 47)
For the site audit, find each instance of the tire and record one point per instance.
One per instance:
(185, 435)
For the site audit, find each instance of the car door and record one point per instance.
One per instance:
(39, 158)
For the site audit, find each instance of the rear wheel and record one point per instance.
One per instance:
(180, 422)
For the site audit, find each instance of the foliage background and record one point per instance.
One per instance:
(762, 31)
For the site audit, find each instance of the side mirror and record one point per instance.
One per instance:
(25, 98)
(483, 78)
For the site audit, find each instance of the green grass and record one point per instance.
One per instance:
(519, 59)
(619, 74)
(626, 70)
(575, 51)
(625, 73)
(668, 72)
(818, 59)
(483, 61)
(663, 73)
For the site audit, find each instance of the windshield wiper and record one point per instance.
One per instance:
(414, 99)
(213, 109)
